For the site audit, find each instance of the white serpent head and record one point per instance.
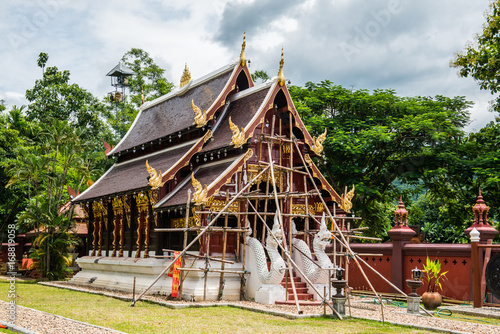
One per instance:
(324, 236)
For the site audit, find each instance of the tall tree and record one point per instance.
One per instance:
(481, 59)
(375, 138)
(147, 84)
(54, 97)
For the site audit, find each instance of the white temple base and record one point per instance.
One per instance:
(270, 293)
(117, 273)
(321, 289)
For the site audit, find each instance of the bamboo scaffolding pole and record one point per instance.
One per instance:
(341, 235)
(389, 282)
(280, 219)
(196, 238)
(197, 228)
(306, 223)
(184, 242)
(308, 281)
(224, 240)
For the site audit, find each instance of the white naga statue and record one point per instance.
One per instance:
(277, 272)
(321, 240)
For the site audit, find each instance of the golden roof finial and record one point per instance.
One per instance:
(345, 200)
(186, 76)
(281, 76)
(155, 178)
(142, 95)
(243, 59)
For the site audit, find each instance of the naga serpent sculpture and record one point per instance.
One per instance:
(277, 272)
(321, 240)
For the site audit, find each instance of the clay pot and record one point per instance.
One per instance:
(432, 300)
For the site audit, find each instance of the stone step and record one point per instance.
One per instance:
(298, 285)
(300, 296)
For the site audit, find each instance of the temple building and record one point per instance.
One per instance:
(217, 147)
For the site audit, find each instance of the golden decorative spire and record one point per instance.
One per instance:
(142, 95)
(200, 193)
(200, 117)
(186, 76)
(243, 59)
(155, 178)
(318, 143)
(281, 76)
(238, 135)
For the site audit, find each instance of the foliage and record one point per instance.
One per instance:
(377, 138)
(481, 59)
(54, 97)
(433, 275)
(259, 74)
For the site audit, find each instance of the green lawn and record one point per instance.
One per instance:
(150, 318)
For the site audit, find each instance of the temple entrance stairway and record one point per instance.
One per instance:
(303, 295)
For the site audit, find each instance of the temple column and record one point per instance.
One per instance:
(142, 210)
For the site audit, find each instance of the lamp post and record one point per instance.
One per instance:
(339, 284)
(413, 299)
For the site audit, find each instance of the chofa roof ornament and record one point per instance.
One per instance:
(346, 198)
(155, 178)
(243, 59)
(281, 76)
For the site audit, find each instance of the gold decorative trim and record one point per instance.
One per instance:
(300, 209)
(287, 148)
(216, 205)
(200, 193)
(318, 207)
(155, 178)
(238, 138)
(200, 117)
(186, 76)
(254, 170)
(318, 143)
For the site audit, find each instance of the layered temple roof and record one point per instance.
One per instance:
(225, 94)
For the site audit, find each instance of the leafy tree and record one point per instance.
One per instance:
(376, 138)
(54, 97)
(147, 84)
(148, 80)
(481, 59)
(259, 74)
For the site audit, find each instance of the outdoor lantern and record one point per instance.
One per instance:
(339, 273)
(417, 274)
(119, 79)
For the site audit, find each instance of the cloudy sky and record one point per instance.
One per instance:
(399, 44)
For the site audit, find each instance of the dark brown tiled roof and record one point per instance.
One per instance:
(205, 175)
(172, 115)
(241, 111)
(131, 175)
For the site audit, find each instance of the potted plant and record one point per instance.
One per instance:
(433, 275)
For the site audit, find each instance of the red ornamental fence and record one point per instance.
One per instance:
(395, 260)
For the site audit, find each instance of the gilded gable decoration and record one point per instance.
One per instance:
(200, 193)
(155, 178)
(345, 200)
(200, 117)
(238, 138)
(186, 76)
(318, 143)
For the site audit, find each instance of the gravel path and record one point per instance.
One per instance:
(360, 308)
(41, 322)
